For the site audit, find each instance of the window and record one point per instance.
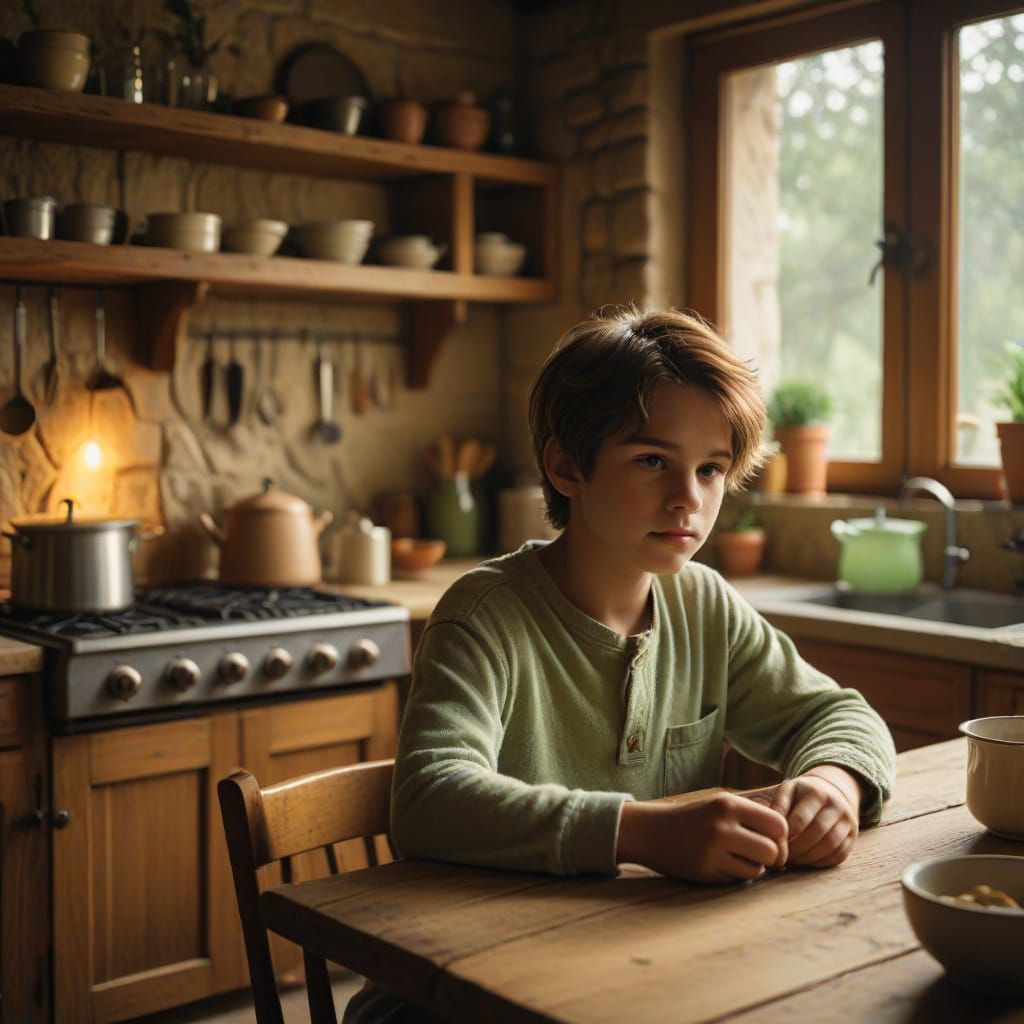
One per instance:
(856, 217)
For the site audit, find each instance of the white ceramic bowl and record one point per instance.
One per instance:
(342, 240)
(416, 251)
(995, 773)
(258, 237)
(503, 260)
(194, 232)
(87, 222)
(980, 947)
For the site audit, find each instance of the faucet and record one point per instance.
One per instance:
(952, 554)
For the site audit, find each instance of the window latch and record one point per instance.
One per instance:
(900, 251)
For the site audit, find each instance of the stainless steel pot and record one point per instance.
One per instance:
(72, 565)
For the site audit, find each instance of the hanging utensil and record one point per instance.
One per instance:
(101, 379)
(269, 405)
(18, 414)
(357, 384)
(208, 377)
(235, 378)
(49, 372)
(326, 427)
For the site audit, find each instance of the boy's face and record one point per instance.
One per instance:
(654, 494)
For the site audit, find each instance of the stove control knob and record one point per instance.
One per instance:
(182, 673)
(363, 654)
(323, 658)
(124, 682)
(277, 663)
(234, 667)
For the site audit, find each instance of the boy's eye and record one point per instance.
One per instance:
(711, 469)
(651, 461)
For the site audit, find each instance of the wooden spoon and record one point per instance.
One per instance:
(468, 456)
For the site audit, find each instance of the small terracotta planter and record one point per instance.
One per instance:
(403, 121)
(461, 124)
(805, 448)
(739, 553)
(1011, 445)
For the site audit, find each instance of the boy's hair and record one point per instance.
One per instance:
(599, 381)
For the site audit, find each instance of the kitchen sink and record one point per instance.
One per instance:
(978, 608)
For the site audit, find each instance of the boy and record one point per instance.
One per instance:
(557, 691)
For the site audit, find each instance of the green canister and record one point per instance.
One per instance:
(880, 555)
(453, 515)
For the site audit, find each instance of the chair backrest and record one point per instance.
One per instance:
(296, 816)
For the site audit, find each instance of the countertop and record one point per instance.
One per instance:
(18, 659)
(774, 597)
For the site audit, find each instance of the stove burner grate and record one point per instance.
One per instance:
(235, 604)
(140, 618)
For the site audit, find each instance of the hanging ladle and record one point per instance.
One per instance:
(101, 379)
(17, 415)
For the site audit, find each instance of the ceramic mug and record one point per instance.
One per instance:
(995, 773)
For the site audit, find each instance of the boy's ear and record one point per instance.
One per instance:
(560, 470)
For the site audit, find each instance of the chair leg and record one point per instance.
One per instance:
(318, 990)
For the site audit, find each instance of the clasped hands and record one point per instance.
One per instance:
(808, 821)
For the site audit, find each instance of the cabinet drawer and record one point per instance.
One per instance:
(999, 693)
(9, 713)
(918, 695)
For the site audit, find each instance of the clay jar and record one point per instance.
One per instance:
(461, 124)
(402, 120)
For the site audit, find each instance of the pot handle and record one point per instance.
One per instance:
(146, 533)
(213, 531)
(322, 519)
(841, 529)
(17, 538)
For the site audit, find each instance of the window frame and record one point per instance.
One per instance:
(920, 189)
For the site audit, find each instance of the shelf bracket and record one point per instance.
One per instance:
(161, 315)
(430, 323)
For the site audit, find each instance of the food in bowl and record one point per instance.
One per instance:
(345, 241)
(194, 232)
(995, 773)
(257, 237)
(983, 895)
(413, 554)
(978, 945)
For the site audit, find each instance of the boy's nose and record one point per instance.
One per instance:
(685, 495)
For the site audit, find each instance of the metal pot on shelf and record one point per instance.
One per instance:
(73, 564)
(269, 539)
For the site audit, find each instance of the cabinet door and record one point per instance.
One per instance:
(24, 837)
(922, 700)
(144, 915)
(285, 740)
(999, 693)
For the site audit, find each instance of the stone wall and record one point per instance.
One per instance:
(161, 462)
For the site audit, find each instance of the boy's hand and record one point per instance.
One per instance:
(724, 839)
(822, 810)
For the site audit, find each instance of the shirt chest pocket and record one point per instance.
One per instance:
(693, 755)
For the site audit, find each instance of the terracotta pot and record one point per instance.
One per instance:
(1011, 445)
(805, 448)
(461, 124)
(772, 479)
(403, 121)
(269, 539)
(739, 553)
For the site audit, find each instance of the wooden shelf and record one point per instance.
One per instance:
(433, 190)
(243, 142)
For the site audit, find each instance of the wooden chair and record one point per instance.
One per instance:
(277, 823)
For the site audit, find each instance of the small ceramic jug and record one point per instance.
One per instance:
(362, 552)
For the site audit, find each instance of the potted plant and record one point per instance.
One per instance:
(190, 83)
(1011, 432)
(798, 410)
(739, 550)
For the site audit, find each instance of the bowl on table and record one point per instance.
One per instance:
(995, 773)
(978, 945)
(193, 232)
(256, 237)
(416, 554)
(345, 241)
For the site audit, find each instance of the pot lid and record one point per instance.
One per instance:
(271, 499)
(881, 523)
(70, 521)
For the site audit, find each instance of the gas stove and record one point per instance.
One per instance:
(179, 647)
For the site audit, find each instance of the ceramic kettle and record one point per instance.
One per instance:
(270, 539)
(880, 555)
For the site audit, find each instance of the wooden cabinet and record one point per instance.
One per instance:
(999, 693)
(144, 912)
(447, 193)
(24, 866)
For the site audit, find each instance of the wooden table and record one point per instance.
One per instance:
(485, 945)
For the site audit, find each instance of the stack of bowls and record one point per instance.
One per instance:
(50, 59)
(257, 237)
(343, 240)
(194, 232)
(416, 251)
(496, 254)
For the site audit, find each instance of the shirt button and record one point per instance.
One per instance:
(633, 743)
